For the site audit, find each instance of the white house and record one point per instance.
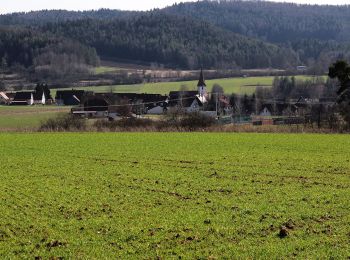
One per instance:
(157, 110)
(265, 112)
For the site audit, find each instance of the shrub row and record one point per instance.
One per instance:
(185, 122)
(64, 123)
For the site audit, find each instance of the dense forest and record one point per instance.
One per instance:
(46, 54)
(317, 34)
(212, 34)
(53, 16)
(273, 22)
(173, 41)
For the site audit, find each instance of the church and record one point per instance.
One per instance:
(190, 101)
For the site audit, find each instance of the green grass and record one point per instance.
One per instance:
(230, 85)
(27, 117)
(104, 69)
(171, 195)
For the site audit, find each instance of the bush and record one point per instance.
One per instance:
(64, 123)
(123, 123)
(185, 122)
(193, 121)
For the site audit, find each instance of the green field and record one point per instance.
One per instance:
(172, 195)
(230, 85)
(27, 117)
(105, 69)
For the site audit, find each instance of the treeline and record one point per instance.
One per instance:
(36, 18)
(318, 34)
(273, 22)
(212, 34)
(173, 41)
(44, 54)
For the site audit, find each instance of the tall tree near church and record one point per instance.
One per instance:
(341, 71)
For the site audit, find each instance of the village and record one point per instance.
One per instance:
(114, 106)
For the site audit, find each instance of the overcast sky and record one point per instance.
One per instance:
(8, 6)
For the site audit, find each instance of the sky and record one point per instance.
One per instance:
(9, 6)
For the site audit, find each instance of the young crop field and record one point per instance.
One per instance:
(172, 195)
(105, 69)
(230, 85)
(27, 117)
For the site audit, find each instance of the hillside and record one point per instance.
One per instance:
(49, 16)
(212, 34)
(174, 41)
(313, 32)
(42, 55)
(273, 22)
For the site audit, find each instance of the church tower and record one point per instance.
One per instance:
(202, 87)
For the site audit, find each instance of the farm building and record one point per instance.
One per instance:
(69, 97)
(190, 101)
(278, 108)
(23, 98)
(153, 104)
(99, 104)
(302, 68)
(41, 95)
(266, 112)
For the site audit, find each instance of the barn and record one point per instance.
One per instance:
(69, 97)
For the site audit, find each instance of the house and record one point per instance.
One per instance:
(41, 95)
(189, 101)
(23, 98)
(153, 104)
(96, 104)
(303, 106)
(302, 68)
(26, 98)
(116, 104)
(224, 106)
(265, 112)
(141, 103)
(69, 97)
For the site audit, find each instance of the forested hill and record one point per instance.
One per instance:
(318, 34)
(173, 41)
(273, 22)
(212, 34)
(52, 16)
(43, 53)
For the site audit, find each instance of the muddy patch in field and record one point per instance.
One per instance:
(174, 194)
(55, 243)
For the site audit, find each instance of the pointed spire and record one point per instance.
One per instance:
(201, 82)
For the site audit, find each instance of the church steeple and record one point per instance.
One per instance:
(202, 87)
(201, 82)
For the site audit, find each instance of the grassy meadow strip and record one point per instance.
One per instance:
(230, 85)
(22, 118)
